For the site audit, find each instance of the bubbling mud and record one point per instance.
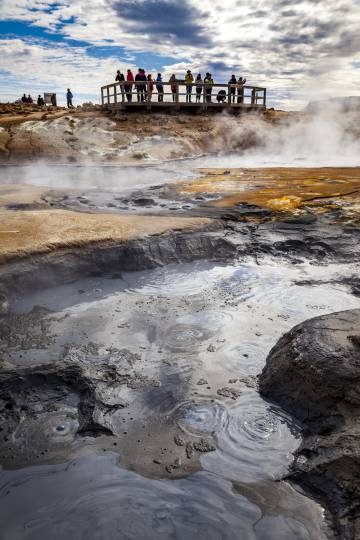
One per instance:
(180, 401)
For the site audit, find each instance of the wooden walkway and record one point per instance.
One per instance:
(132, 96)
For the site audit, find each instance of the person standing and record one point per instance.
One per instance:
(143, 85)
(138, 86)
(159, 88)
(24, 98)
(69, 98)
(173, 86)
(128, 86)
(141, 81)
(189, 79)
(240, 89)
(199, 87)
(120, 79)
(150, 86)
(208, 81)
(232, 89)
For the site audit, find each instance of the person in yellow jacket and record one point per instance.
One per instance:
(189, 79)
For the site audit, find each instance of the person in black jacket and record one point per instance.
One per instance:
(120, 79)
(140, 77)
(232, 89)
(119, 76)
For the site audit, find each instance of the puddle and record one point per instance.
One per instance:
(195, 336)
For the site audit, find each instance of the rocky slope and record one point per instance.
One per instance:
(93, 136)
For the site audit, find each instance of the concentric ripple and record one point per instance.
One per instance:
(261, 427)
(178, 280)
(256, 442)
(199, 418)
(185, 337)
(210, 319)
(48, 428)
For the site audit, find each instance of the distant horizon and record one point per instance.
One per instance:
(295, 49)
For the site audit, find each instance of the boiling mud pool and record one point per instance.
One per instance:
(215, 323)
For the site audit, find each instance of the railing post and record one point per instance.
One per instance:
(177, 93)
(264, 98)
(115, 94)
(102, 96)
(108, 94)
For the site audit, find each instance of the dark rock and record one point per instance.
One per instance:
(179, 441)
(143, 201)
(189, 450)
(228, 392)
(314, 372)
(204, 446)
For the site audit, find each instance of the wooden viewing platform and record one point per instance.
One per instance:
(132, 96)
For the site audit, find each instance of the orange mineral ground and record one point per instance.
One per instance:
(280, 189)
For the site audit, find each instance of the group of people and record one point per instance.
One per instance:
(144, 86)
(27, 99)
(41, 102)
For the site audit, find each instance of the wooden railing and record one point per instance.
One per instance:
(179, 93)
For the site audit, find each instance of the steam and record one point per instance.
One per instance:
(328, 137)
(324, 137)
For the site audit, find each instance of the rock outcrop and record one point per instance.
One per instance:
(314, 372)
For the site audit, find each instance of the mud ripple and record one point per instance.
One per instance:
(256, 441)
(185, 337)
(199, 418)
(51, 427)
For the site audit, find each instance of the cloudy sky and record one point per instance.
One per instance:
(298, 49)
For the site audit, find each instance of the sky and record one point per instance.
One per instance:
(300, 50)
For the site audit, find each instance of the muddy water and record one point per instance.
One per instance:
(202, 331)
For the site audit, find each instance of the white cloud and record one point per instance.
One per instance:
(296, 49)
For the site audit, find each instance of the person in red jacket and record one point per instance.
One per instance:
(150, 86)
(128, 87)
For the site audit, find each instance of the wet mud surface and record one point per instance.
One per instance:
(129, 372)
(159, 368)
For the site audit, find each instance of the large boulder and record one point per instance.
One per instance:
(314, 373)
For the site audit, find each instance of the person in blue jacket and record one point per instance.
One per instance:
(159, 87)
(69, 98)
